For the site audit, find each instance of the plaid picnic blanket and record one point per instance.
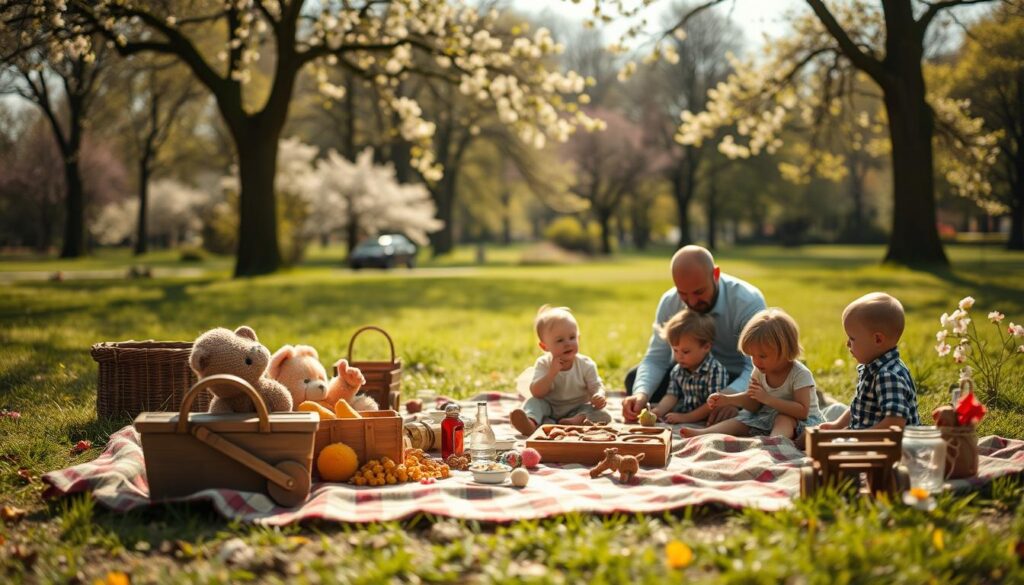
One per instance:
(759, 472)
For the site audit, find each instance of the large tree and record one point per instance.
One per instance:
(57, 72)
(382, 41)
(990, 72)
(883, 40)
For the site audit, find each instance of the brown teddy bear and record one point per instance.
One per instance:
(345, 385)
(238, 352)
(298, 368)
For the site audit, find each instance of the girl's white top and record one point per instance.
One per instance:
(799, 377)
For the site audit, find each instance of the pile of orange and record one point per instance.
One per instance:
(384, 471)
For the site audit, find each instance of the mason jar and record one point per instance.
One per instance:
(924, 455)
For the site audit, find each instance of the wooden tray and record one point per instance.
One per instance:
(656, 447)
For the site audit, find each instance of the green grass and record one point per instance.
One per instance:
(461, 329)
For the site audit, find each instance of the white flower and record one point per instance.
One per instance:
(960, 326)
(965, 373)
(838, 363)
(942, 349)
(945, 320)
(919, 498)
(959, 355)
(1015, 330)
(941, 336)
(996, 316)
(1020, 349)
(966, 303)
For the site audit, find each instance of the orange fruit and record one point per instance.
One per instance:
(337, 462)
(343, 410)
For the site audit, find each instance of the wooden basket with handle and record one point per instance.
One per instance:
(262, 452)
(383, 379)
(377, 434)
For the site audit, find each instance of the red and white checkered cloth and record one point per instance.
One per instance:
(756, 472)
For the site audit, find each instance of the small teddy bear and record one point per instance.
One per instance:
(626, 465)
(345, 385)
(298, 368)
(238, 352)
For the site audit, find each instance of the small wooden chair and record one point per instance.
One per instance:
(872, 457)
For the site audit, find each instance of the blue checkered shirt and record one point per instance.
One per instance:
(693, 388)
(884, 388)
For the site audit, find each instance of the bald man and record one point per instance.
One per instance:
(701, 286)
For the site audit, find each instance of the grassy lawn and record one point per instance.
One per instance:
(461, 329)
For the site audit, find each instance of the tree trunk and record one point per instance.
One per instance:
(855, 229)
(682, 190)
(442, 241)
(604, 221)
(74, 222)
(1016, 241)
(258, 251)
(142, 230)
(353, 232)
(506, 216)
(712, 212)
(914, 237)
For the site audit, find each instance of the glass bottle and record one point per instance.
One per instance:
(924, 454)
(483, 445)
(452, 431)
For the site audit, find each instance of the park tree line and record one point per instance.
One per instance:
(853, 125)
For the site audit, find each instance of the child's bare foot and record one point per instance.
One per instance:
(573, 420)
(688, 432)
(521, 422)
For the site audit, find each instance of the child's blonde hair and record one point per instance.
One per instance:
(688, 322)
(878, 311)
(772, 327)
(548, 316)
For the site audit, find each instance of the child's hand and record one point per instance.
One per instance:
(715, 400)
(830, 426)
(598, 401)
(757, 392)
(673, 418)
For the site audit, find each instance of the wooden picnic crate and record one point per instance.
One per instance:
(257, 452)
(654, 442)
(378, 434)
(140, 376)
(383, 379)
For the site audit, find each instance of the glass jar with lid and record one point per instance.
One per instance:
(924, 455)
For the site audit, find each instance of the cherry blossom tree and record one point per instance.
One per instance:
(382, 41)
(806, 74)
(366, 198)
(58, 71)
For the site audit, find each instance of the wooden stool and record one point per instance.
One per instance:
(871, 456)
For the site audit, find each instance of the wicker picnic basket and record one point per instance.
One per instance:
(139, 376)
(383, 379)
(269, 452)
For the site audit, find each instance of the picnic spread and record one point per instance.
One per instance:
(756, 472)
(335, 449)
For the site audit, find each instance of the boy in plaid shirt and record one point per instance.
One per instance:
(886, 394)
(697, 374)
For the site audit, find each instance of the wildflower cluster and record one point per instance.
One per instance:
(959, 338)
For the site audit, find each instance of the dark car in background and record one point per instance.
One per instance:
(384, 251)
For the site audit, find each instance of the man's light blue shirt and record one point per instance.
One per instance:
(737, 302)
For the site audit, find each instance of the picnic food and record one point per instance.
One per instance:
(384, 471)
(310, 406)
(511, 458)
(343, 410)
(647, 418)
(337, 462)
(239, 353)
(413, 406)
(531, 457)
(299, 369)
(626, 465)
(458, 462)
(345, 385)
(520, 477)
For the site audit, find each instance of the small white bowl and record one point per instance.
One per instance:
(490, 472)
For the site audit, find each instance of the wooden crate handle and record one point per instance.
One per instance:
(352, 341)
(238, 383)
(244, 457)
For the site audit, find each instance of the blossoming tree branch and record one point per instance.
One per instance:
(811, 76)
(382, 42)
